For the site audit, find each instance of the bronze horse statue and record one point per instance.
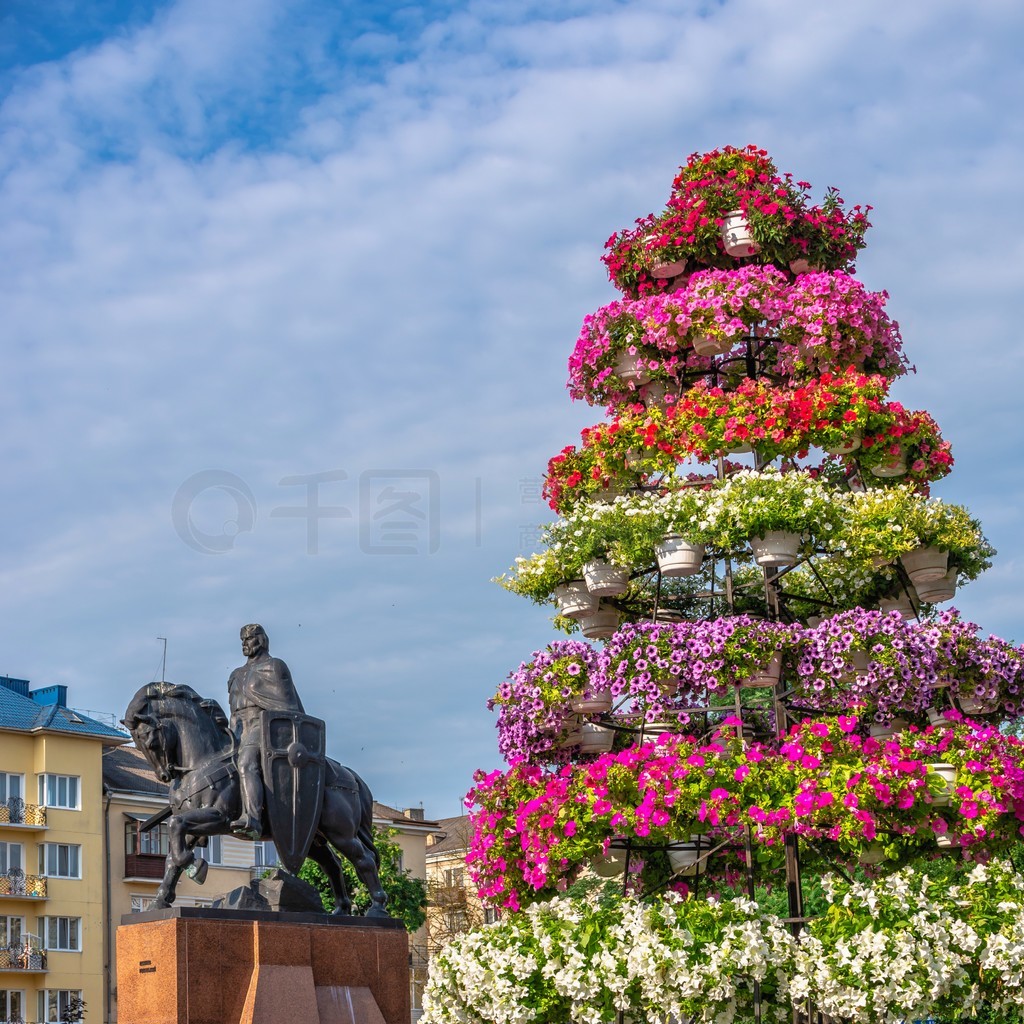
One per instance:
(187, 741)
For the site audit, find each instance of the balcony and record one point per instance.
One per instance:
(22, 957)
(15, 884)
(144, 865)
(16, 812)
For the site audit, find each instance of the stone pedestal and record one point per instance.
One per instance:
(191, 965)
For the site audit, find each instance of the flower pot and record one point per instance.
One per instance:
(880, 562)
(885, 730)
(687, 860)
(655, 394)
(925, 564)
(873, 853)
(574, 600)
(596, 739)
(946, 842)
(896, 466)
(678, 557)
(776, 548)
(573, 738)
(600, 624)
(607, 494)
(901, 604)
(736, 236)
(594, 703)
(939, 590)
(977, 705)
(802, 266)
(765, 675)
(605, 580)
(707, 345)
(937, 717)
(859, 661)
(947, 773)
(851, 444)
(668, 268)
(814, 621)
(627, 367)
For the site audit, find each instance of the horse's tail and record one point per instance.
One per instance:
(364, 833)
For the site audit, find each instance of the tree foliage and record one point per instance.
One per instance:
(407, 896)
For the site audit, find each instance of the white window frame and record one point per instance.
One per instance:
(44, 1002)
(8, 1012)
(213, 852)
(261, 851)
(44, 859)
(58, 780)
(5, 920)
(5, 786)
(7, 863)
(141, 902)
(72, 929)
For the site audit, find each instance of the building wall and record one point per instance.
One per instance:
(30, 755)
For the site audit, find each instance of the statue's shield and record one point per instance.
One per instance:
(294, 767)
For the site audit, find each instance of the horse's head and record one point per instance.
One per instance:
(169, 722)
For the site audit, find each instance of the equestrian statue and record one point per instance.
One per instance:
(263, 775)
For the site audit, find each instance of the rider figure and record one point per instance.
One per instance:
(262, 684)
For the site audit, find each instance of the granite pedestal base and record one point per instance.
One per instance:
(191, 965)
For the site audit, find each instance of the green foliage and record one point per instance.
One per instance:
(407, 896)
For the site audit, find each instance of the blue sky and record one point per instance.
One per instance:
(253, 252)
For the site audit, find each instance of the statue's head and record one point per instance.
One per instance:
(254, 639)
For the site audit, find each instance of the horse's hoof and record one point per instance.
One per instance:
(341, 912)
(159, 905)
(377, 912)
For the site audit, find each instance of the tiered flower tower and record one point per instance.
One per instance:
(779, 690)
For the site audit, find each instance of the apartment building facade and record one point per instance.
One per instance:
(52, 855)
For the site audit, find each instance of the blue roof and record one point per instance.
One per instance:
(26, 715)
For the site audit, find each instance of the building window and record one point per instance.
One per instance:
(11, 856)
(60, 860)
(12, 1004)
(453, 878)
(63, 933)
(11, 787)
(59, 791)
(266, 854)
(57, 1005)
(141, 903)
(213, 852)
(490, 915)
(154, 841)
(11, 929)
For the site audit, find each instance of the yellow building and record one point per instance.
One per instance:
(52, 855)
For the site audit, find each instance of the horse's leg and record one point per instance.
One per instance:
(165, 894)
(363, 860)
(346, 822)
(322, 853)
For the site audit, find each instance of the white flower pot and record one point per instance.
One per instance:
(706, 345)
(765, 675)
(571, 738)
(739, 448)
(687, 860)
(574, 600)
(947, 773)
(736, 236)
(776, 548)
(901, 604)
(802, 266)
(884, 731)
(859, 660)
(814, 621)
(677, 557)
(937, 717)
(851, 444)
(604, 579)
(599, 625)
(596, 739)
(594, 703)
(627, 367)
(977, 705)
(939, 590)
(925, 564)
(945, 841)
(896, 466)
(667, 268)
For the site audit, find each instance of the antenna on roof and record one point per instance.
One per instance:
(163, 664)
